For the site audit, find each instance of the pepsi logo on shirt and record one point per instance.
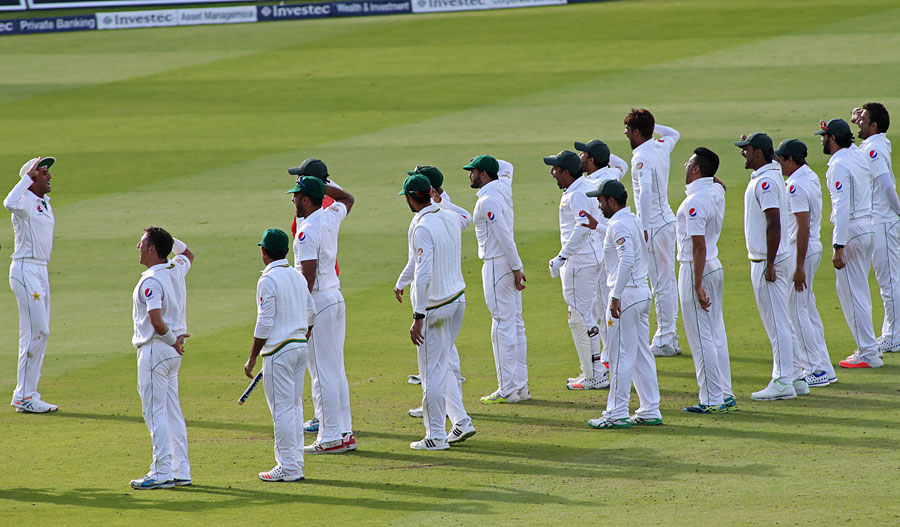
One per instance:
(873, 154)
(765, 185)
(692, 212)
(838, 185)
(148, 292)
(792, 189)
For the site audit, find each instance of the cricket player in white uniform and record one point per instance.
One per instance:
(502, 277)
(285, 313)
(650, 182)
(701, 278)
(804, 195)
(160, 327)
(628, 317)
(578, 265)
(442, 199)
(315, 253)
(850, 187)
(771, 262)
(439, 302)
(599, 165)
(33, 222)
(873, 121)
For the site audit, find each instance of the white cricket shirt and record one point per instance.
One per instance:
(285, 308)
(317, 239)
(437, 243)
(494, 224)
(804, 193)
(700, 214)
(850, 187)
(765, 191)
(161, 287)
(876, 150)
(625, 254)
(32, 219)
(579, 246)
(650, 178)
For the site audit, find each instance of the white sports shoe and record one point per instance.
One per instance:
(524, 394)
(277, 474)
(801, 386)
(430, 444)
(666, 350)
(328, 447)
(576, 379)
(596, 383)
(885, 346)
(417, 412)
(774, 391)
(35, 406)
(458, 434)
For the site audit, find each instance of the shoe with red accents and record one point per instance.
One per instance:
(35, 406)
(327, 447)
(854, 361)
(277, 474)
(349, 441)
(590, 384)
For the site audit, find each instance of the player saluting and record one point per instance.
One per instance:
(285, 312)
(628, 318)
(439, 302)
(851, 213)
(160, 327)
(33, 221)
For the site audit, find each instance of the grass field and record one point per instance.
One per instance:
(193, 128)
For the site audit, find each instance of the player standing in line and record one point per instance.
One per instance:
(873, 121)
(804, 195)
(701, 278)
(650, 182)
(442, 199)
(628, 318)
(765, 211)
(160, 327)
(285, 313)
(315, 168)
(33, 222)
(502, 277)
(439, 302)
(850, 187)
(578, 265)
(315, 253)
(599, 165)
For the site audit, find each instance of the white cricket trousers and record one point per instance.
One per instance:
(579, 287)
(772, 302)
(440, 329)
(661, 270)
(810, 349)
(507, 329)
(31, 286)
(283, 373)
(886, 262)
(158, 365)
(853, 293)
(705, 331)
(330, 391)
(630, 358)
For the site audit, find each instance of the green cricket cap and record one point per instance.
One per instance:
(792, 148)
(309, 186)
(311, 167)
(835, 127)
(274, 241)
(432, 173)
(46, 162)
(484, 162)
(414, 184)
(567, 160)
(611, 188)
(596, 149)
(757, 140)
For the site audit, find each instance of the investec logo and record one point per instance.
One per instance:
(296, 11)
(438, 4)
(7, 27)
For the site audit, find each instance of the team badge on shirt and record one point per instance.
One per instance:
(490, 216)
(148, 292)
(334, 208)
(692, 212)
(792, 189)
(620, 241)
(639, 166)
(420, 251)
(838, 185)
(873, 154)
(765, 185)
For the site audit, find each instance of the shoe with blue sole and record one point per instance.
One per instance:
(147, 483)
(311, 426)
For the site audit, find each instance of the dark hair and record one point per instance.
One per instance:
(768, 154)
(800, 161)
(707, 161)
(315, 201)
(492, 175)
(641, 120)
(844, 141)
(624, 201)
(422, 197)
(161, 239)
(276, 256)
(878, 114)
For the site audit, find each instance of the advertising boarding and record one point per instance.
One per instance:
(438, 6)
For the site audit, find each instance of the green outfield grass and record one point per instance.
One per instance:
(192, 128)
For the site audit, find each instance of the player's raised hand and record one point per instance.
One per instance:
(855, 115)
(399, 294)
(435, 196)
(591, 221)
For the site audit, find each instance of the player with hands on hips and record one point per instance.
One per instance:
(765, 213)
(628, 318)
(33, 223)
(285, 316)
(160, 327)
(578, 265)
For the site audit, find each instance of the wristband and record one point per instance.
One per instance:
(169, 337)
(418, 316)
(178, 247)
(837, 246)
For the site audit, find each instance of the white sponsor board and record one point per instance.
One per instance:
(176, 17)
(437, 6)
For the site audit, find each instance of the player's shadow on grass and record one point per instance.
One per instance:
(191, 423)
(776, 435)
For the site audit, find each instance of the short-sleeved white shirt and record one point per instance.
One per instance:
(765, 191)
(700, 214)
(804, 193)
(161, 287)
(317, 239)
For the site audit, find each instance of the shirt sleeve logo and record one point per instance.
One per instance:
(420, 251)
(490, 216)
(640, 165)
(765, 185)
(334, 208)
(692, 212)
(581, 214)
(792, 189)
(260, 300)
(148, 292)
(660, 140)
(873, 154)
(40, 209)
(301, 236)
(838, 185)
(620, 241)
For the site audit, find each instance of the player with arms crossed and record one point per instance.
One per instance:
(285, 313)
(33, 222)
(439, 302)
(160, 327)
